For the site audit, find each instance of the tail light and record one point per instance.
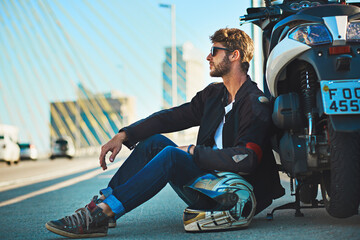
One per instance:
(339, 50)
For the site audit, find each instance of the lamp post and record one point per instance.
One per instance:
(173, 53)
(257, 69)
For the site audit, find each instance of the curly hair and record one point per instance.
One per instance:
(236, 39)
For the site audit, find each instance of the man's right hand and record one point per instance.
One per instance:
(114, 146)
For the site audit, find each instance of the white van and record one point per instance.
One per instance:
(9, 149)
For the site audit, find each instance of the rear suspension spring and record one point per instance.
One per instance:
(308, 88)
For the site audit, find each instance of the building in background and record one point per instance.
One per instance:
(92, 119)
(190, 74)
(190, 80)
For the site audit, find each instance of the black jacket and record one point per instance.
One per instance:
(246, 133)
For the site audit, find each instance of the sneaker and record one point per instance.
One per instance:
(112, 220)
(86, 222)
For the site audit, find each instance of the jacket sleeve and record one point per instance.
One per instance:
(165, 121)
(246, 154)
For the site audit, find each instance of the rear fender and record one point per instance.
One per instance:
(345, 123)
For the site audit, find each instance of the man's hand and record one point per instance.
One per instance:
(113, 146)
(185, 148)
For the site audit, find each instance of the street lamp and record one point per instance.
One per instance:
(173, 53)
(257, 68)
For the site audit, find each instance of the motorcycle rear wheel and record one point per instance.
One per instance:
(344, 196)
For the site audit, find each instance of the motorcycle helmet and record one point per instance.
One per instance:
(238, 215)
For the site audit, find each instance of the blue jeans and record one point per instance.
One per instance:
(153, 163)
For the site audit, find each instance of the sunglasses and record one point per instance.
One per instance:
(214, 50)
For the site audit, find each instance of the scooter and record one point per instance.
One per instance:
(311, 55)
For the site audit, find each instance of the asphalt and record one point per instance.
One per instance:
(159, 218)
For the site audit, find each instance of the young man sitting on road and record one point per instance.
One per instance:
(235, 120)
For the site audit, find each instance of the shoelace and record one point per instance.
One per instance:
(80, 216)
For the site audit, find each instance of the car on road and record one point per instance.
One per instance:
(9, 149)
(62, 147)
(28, 151)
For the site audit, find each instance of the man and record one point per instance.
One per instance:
(234, 119)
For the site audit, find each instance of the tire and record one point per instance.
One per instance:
(344, 194)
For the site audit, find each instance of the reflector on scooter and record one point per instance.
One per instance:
(339, 50)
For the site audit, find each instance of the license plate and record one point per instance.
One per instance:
(341, 96)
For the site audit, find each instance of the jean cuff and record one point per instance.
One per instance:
(106, 191)
(115, 205)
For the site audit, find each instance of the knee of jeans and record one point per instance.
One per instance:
(154, 140)
(149, 142)
(172, 154)
(170, 150)
(151, 139)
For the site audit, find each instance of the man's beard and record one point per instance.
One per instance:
(222, 68)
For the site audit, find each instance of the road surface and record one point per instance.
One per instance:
(33, 193)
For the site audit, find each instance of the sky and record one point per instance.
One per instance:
(49, 47)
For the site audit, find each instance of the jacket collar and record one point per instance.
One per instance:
(240, 93)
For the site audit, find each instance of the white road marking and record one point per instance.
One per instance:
(59, 185)
(22, 182)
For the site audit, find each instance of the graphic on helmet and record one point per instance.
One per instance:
(226, 210)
